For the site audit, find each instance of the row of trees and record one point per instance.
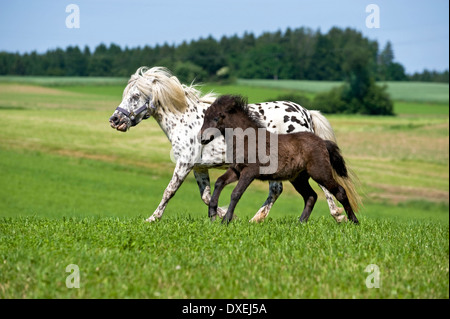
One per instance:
(430, 76)
(294, 54)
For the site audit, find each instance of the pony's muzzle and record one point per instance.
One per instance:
(114, 120)
(119, 123)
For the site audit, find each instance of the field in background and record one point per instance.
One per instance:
(434, 93)
(72, 190)
(64, 81)
(404, 91)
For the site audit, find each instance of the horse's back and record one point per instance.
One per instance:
(283, 117)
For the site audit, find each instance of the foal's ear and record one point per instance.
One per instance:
(231, 104)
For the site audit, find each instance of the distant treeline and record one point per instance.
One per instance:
(301, 54)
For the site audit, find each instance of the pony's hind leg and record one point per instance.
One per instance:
(302, 186)
(336, 212)
(275, 189)
(203, 182)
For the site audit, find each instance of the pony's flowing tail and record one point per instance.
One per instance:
(322, 127)
(341, 175)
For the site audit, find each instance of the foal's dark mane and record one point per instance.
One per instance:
(241, 104)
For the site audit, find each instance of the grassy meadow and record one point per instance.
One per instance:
(74, 191)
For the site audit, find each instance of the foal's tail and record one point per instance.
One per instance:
(323, 129)
(341, 175)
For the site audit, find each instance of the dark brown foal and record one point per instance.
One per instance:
(298, 157)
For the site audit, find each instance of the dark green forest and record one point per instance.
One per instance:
(301, 54)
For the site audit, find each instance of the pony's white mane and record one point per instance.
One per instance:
(165, 89)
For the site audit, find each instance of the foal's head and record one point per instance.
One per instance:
(227, 111)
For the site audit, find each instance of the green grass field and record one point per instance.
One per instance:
(73, 191)
(399, 91)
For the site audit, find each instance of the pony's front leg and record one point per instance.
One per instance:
(202, 178)
(179, 175)
(336, 212)
(275, 190)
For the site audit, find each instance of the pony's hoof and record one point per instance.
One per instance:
(341, 218)
(221, 211)
(151, 219)
(260, 216)
(257, 219)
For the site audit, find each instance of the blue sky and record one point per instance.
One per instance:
(418, 30)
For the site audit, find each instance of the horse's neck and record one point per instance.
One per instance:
(254, 137)
(246, 122)
(181, 124)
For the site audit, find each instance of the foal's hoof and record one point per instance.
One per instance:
(212, 214)
(302, 221)
(226, 221)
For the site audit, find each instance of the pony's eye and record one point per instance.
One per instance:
(216, 119)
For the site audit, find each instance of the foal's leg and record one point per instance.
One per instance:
(321, 173)
(302, 186)
(335, 211)
(341, 196)
(202, 178)
(275, 189)
(179, 174)
(244, 181)
(230, 176)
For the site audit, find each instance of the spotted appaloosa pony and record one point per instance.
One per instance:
(179, 111)
(296, 156)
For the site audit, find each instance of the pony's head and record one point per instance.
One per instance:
(147, 90)
(221, 115)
